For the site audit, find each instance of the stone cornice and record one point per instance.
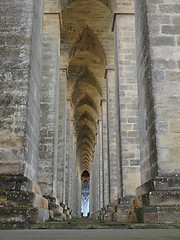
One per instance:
(108, 67)
(59, 15)
(120, 13)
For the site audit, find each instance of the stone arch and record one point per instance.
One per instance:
(89, 104)
(85, 140)
(84, 89)
(86, 122)
(108, 3)
(85, 130)
(88, 42)
(88, 116)
(87, 146)
(88, 101)
(88, 78)
(86, 53)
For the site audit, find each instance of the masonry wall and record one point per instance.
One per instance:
(94, 183)
(62, 135)
(158, 85)
(165, 74)
(20, 75)
(112, 131)
(49, 117)
(126, 102)
(148, 152)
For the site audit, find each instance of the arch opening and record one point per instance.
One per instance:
(85, 192)
(85, 50)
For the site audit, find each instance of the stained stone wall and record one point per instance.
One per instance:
(105, 158)
(94, 182)
(158, 74)
(49, 117)
(165, 71)
(68, 156)
(146, 98)
(77, 94)
(20, 74)
(62, 135)
(126, 98)
(111, 128)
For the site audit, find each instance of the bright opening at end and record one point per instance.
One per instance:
(85, 194)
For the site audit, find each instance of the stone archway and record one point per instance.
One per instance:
(86, 52)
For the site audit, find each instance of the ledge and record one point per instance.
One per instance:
(119, 13)
(108, 67)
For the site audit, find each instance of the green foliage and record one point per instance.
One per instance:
(128, 226)
(75, 219)
(177, 225)
(49, 220)
(166, 226)
(101, 220)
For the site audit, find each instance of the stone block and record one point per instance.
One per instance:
(15, 182)
(169, 8)
(164, 198)
(11, 167)
(174, 126)
(162, 63)
(173, 76)
(163, 41)
(19, 202)
(176, 20)
(121, 217)
(162, 214)
(178, 41)
(173, 30)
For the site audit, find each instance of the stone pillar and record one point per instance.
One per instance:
(62, 136)
(97, 174)
(105, 158)
(52, 19)
(101, 168)
(49, 118)
(73, 169)
(20, 84)
(68, 152)
(95, 182)
(111, 128)
(71, 166)
(157, 33)
(162, 49)
(126, 102)
(78, 193)
(21, 65)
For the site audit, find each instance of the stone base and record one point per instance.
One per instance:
(119, 211)
(122, 209)
(94, 216)
(109, 212)
(158, 200)
(158, 214)
(18, 203)
(55, 209)
(61, 212)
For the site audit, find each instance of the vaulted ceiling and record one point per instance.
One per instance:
(87, 46)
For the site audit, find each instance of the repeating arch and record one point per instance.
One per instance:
(88, 41)
(65, 3)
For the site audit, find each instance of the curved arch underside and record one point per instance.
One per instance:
(107, 3)
(86, 51)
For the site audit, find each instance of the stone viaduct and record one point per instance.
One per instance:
(90, 109)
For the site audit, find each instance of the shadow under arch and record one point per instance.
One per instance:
(88, 42)
(108, 3)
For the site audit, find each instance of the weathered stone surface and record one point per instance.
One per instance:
(18, 203)
(168, 214)
(79, 101)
